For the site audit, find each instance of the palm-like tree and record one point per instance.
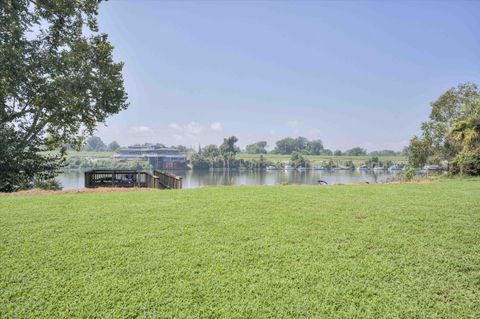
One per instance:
(467, 132)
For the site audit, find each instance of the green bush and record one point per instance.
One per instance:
(466, 163)
(49, 184)
(409, 173)
(349, 164)
(298, 160)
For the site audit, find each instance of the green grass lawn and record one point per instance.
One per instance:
(378, 251)
(83, 154)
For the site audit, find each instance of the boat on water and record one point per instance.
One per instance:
(379, 168)
(395, 167)
(432, 167)
(363, 168)
(342, 169)
(272, 168)
(289, 168)
(322, 168)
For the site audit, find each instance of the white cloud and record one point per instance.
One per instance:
(292, 124)
(192, 132)
(140, 130)
(216, 126)
(174, 126)
(194, 128)
(189, 129)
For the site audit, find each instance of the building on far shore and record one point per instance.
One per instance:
(158, 155)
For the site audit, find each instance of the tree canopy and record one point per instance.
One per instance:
(228, 150)
(314, 147)
(94, 144)
(298, 160)
(257, 148)
(452, 132)
(113, 146)
(356, 151)
(384, 153)
(300, 144)
(58, 80)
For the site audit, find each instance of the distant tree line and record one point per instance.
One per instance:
(257, 148)
(224, 155)
(286, 146)
(302, 145)
(213, 156)
(95, 144)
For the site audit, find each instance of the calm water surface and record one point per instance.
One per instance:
(199, 178)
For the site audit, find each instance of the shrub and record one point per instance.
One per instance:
(409, 173)
(298, 160)
(349, 164)
(49, 184)
(466, 162)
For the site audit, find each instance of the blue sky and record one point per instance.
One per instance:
(351, 73)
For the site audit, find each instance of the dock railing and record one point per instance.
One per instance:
(167, 180)
(131, 178)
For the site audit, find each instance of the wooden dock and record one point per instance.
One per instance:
(131, 178)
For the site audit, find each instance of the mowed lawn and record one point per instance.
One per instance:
(378, 251)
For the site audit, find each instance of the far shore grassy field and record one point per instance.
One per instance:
(91, 154)
(318, 159)
(314, 159)
(377, 251)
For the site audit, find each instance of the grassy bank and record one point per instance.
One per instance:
(73, 154)
(396, 251)
(317, 160)
(272, 157)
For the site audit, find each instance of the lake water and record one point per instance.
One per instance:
(199, 178)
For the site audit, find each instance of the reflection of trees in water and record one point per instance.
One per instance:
(219, 177)
(228, 178)
(233, 177)
(197, 178)
(262, 176)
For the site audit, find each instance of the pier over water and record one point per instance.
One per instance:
(131, 178)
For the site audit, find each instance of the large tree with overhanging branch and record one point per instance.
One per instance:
(58, 80)
(452, 132)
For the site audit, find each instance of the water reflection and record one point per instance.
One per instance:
(199, 178)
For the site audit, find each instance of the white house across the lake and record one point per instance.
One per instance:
(158, 155)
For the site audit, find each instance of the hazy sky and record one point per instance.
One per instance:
(350, 73)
